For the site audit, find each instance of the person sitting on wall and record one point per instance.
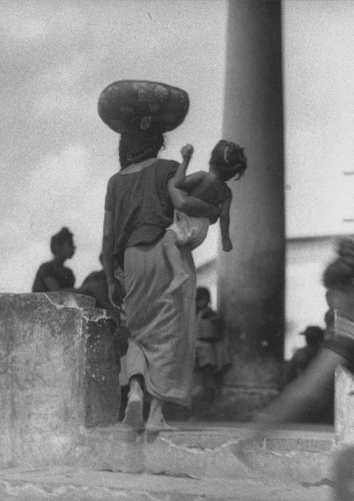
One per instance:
(53, 275)
(302, 357)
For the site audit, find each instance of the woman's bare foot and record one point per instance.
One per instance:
(133, 417)
(152, 427)
(156, 421)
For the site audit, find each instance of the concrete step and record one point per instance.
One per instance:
(65, 484)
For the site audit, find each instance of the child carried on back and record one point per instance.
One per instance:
(226, 162)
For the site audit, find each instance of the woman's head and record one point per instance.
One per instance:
(62, 243)
(138, 144)
(228, 160)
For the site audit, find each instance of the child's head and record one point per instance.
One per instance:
(228, 160)
(137, 145)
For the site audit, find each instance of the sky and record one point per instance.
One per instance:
(56, 154)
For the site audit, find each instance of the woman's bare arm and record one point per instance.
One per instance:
(107, 247)
(108, 260)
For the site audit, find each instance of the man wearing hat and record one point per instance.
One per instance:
(302, 357)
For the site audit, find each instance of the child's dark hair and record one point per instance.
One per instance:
(229, 159)
(59, 239)
(137, 145)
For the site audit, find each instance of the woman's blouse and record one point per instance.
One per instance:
(140, 205)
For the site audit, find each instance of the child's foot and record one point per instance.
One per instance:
(134, 412)
(178, 279)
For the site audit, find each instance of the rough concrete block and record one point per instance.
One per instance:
(49, 344)
(102, 391)
(344, 406)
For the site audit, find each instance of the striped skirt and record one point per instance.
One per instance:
(162, 326)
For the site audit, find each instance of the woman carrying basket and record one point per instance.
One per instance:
(139, 206)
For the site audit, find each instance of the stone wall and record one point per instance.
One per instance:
(58, 373)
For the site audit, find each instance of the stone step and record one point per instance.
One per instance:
(302, 454)
(65, 484)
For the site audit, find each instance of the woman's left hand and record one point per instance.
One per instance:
(115, 294)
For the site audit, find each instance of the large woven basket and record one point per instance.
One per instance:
(143, 104)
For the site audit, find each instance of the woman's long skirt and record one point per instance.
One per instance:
(162, 325)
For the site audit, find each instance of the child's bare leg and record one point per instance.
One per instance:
(156, 421)
(133, 417)
(172, 252)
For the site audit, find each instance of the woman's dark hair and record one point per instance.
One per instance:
(59, 239)
(137, 145)
(229, 159)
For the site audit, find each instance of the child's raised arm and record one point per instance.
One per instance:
(186, 152)
(225, 224)
(181, 181)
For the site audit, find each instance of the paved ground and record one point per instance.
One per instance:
(84, 485)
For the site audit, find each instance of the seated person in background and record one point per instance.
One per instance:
(53, 275)
(302, 357)
(97, 281)
(212, 358)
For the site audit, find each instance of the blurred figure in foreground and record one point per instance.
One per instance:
(310, 389)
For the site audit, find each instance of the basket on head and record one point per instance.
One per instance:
(141, 103)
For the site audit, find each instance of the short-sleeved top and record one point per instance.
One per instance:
(64, 276)
(140, 205)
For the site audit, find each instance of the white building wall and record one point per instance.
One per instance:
(319, 149)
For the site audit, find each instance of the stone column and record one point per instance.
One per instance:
(251, 276)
